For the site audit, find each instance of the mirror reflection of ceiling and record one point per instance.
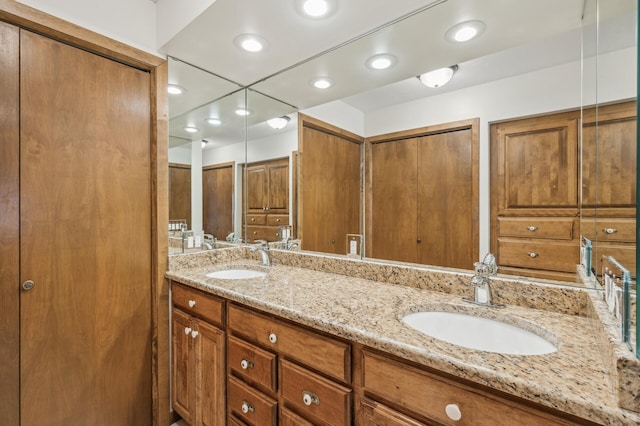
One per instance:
(519, 37)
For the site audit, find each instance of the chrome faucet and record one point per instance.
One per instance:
(263, 248)
(481, 281)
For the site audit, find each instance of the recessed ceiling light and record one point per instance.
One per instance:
(381, 62)
(250, 42)
(191, 129)
(438, 77)
(214, 121)
(243, 112)
(322, 83)
(278, 122)
(174, 89)
(315, 9)
(465, 31)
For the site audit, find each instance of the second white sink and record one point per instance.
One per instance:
(236, 274)
(479, 333)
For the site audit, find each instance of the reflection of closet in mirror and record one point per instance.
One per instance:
(180, 192)
(217, 199)
(422, 195)
(330, 177)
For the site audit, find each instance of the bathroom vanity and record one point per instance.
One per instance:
(316, 339)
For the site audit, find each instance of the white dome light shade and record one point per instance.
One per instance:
(322, 83)
(278, 122)
(214, 121)
(174, 89)
(250, 42)
(191, 129)
(465, 31)
(381, 62)
(437, 77)
(315, 8)
(243, 112)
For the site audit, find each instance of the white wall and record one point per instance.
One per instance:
(180, 154)
(339, 114)
(175, 15)
(132, 22)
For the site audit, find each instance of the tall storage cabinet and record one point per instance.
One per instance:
(76, 165)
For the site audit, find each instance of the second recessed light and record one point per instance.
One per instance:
(381, 62)
(250, 43)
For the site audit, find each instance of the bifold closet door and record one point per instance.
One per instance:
(85, 238)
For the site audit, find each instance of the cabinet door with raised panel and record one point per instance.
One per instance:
(278, 187)
(182, 361)
(256, 187)
(209, 374)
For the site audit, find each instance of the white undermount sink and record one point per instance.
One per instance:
(236, 274)
(479, 333)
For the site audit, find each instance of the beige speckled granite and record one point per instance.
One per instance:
(362, 307)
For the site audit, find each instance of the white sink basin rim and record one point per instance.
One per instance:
(479, 333)
(236, 274)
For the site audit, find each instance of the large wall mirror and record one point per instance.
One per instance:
(529, 147)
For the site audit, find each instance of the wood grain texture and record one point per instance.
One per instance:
(182, 366)
(217, 199)
(210, 376)
(9, 224)
(180, 192)
(85, 199)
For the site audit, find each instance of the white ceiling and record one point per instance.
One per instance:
(520, 36)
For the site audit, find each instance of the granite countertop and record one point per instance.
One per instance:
(574, 379)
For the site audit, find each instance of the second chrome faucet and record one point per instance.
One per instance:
(481, 282)
(263, 248)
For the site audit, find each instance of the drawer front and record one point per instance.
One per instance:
(250, 405)
(268, 233)
(609, 230)
(277, 219)
(429, 395)
(256, 219)
(552, 255)
(374, 413)
(314, 396)
(625, 255)
(252, 363)
(198, 303)
(321, 353)
(536, 227)
(289, 418)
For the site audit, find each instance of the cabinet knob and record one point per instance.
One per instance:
(609, 230)
(247, 407)
(246, 363)
(532, 254)
(192, 303)
(187, 330)
(255, 232)
(277, 220)
(308, 398)
(253, 219)
(418, 241)
(27, 285)
(453, 412)
(532, 228)
(194, 334)
(273, 338)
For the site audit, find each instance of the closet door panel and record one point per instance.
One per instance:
(85, 237)
(217, 192)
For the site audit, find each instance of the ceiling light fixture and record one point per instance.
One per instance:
(214, 121)
(438, 77)
(464, 31)
(278, 122)
(191, 129)
(381, 62)
(322, 83)
(250, 42)
(315, 9)
(243, 112)
(174, 89)
(204, 143)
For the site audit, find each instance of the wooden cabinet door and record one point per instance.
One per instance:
(180, 193)
(182, 365)
(217, 200)
(85, 226)
(256, 188)
(210, 375)
(394, 201)
(538, 166)
(278, 187)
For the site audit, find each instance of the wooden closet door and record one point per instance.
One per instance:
(278, 188)
(447, 208)
(393, 200)
(85, 238)
(217, 192)
(180, 192)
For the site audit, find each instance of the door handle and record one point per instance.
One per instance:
(27, 285)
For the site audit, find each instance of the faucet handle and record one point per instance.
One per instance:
(263, 243)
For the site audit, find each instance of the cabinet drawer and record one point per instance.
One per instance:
(625, 255)
(606, 229)
(252, 363)
(198, 303)
(268, 233)
(536, 227)
(250, 405)
(256, 219)
(289, 418)
(314, 396)
(374, 413)
(321, 353)
(277, 219)
(549, 255)
(428, 395)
